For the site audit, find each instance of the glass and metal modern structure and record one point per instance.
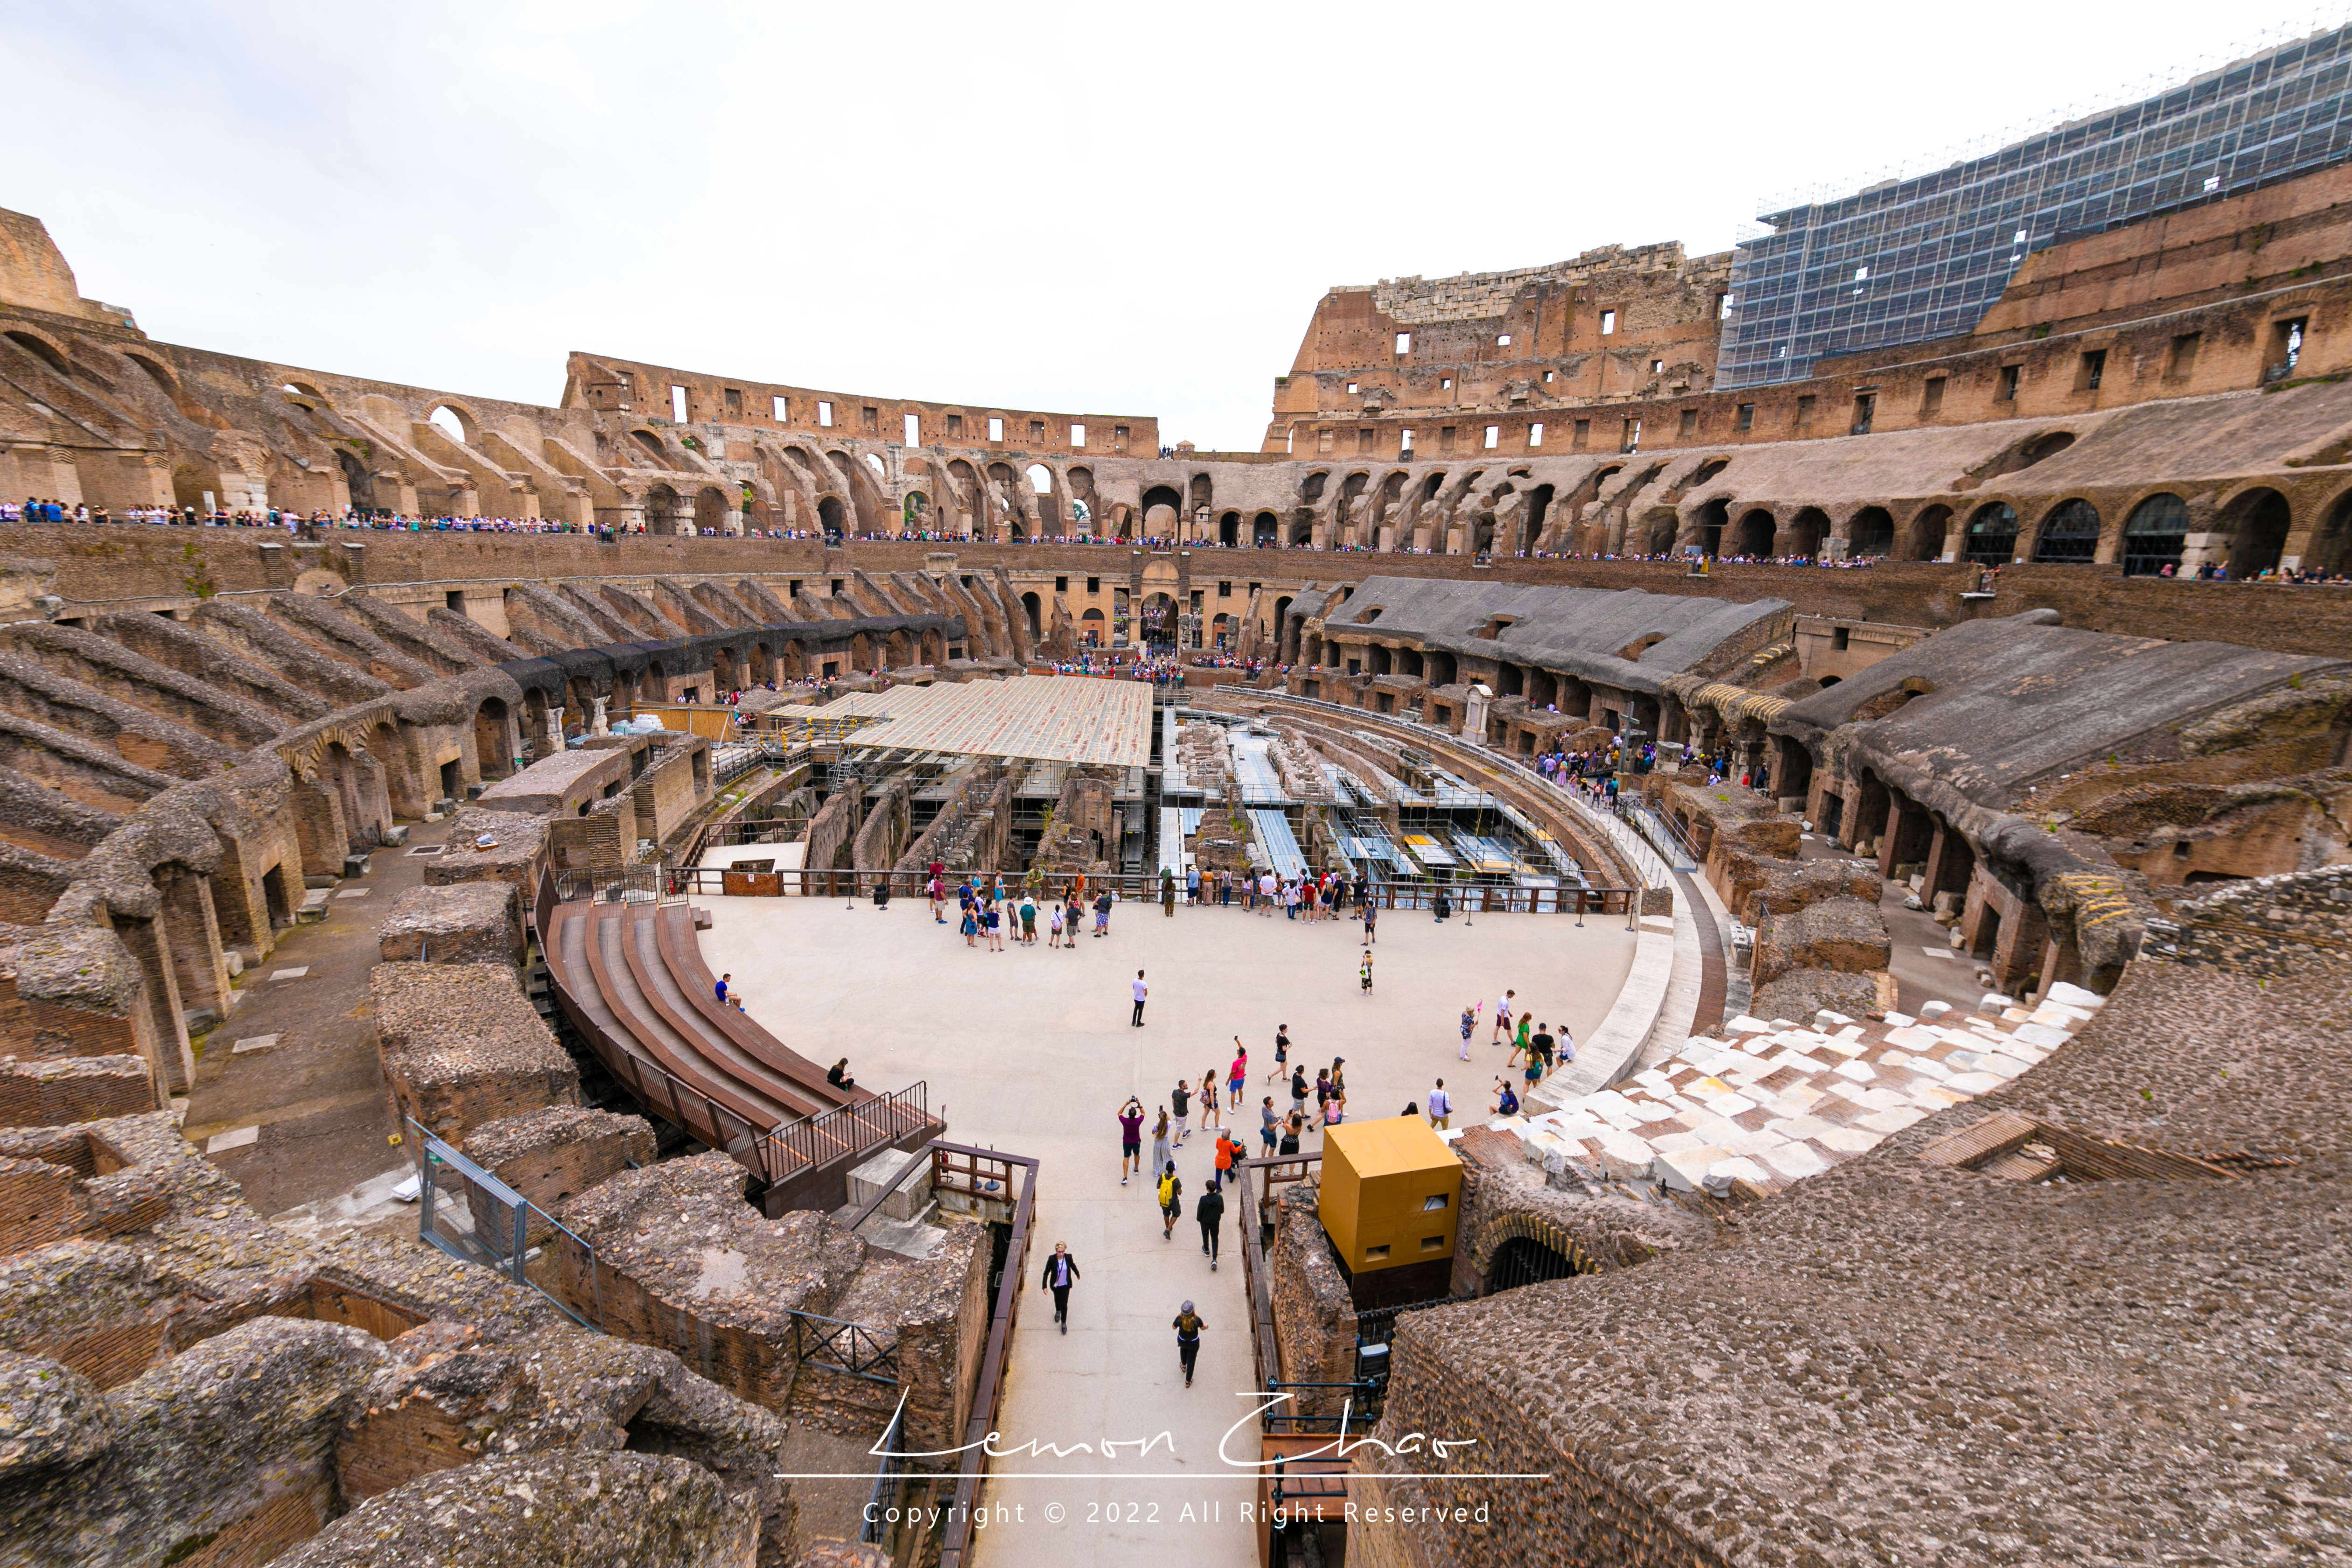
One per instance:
(1912, 260)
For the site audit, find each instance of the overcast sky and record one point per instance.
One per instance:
(1106, 209)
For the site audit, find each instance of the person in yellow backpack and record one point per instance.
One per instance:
(1171, 1200)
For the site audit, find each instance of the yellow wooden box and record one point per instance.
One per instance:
(1392, 1193)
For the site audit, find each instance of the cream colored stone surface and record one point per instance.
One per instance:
(1030, 1050)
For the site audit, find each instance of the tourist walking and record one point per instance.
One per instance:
(1238, 1074)
(1292, 1126)
(1469, 1025)
(1364, 972)
(1130, 1138)
(1188, 1326)
(1298, 1087)
(1371, 921)
(1270, 1124)
(1180, 1100)
(1160, 1140)
(1054, 927)
(1171, 1200)
(970, 927)
(1281, 1051)
(1502, 1017)
(1102, 914)
(1141, 992)
(1168, 892)
(1441, 1106)
(1210, 1212)
(1061, 1273)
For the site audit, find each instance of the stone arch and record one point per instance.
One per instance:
(711, 510)
(494, 739)
(1804, 536)
(1263, 528)
(1923, 538)
(455, 420)
(1753, 537)
(1229, 530)
(2156, 533)
(2330, 550)
(666, 512)
(2069, 533)
(162, 374)
(41, 345)
(1992, 539)
(830, 513)
(1710, 523)
(1031, 610)
(1871, 533)
(1521, 1225)
(2255, 524)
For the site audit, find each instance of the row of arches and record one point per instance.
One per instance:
(2254, 527)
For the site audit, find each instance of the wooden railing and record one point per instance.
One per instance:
(988, 1399)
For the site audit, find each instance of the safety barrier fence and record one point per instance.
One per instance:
(980, 1169)
(1390, 893)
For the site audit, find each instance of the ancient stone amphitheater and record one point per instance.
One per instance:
(1910, 676)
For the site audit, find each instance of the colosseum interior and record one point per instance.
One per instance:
(448, 849)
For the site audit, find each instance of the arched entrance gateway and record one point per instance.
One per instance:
(1158, 623)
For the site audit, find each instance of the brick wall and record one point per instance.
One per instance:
(1314, 1316)
(553, 1153)
(52, 1093)
(114, 563)
(39, 1203)
(1586, 1513)
(2265, 927)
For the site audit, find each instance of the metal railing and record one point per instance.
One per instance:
(988, 1400)
(1143, 888)
(470, 1213)
(1283, 1417)
(844, 1132)
(1257, 1180)
(844, 1347)
(887, 1475)
(616, 885)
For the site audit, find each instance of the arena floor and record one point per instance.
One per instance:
(1030, 1050)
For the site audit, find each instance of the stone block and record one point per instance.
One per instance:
(461, 1046)
(561, 1507)
(911, 1198)
(470, 923)
(552, 1155)
(49, 1093)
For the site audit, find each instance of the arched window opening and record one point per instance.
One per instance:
(2070, 534)
(1871, 532)
(2259, 536)
(1992, 534)
(1523, 1260)
(2154, 535)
